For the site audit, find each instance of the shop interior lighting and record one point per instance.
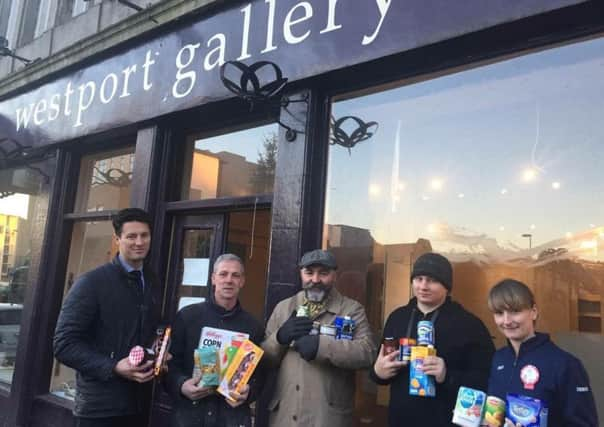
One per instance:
(255, 88)
(5, 51)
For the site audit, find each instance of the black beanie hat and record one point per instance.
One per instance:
(435, 266)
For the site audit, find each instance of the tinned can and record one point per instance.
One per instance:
(494, 412)
(344, 327)
(390, 345)
(425, 333)
(405, 345)
(302, 311)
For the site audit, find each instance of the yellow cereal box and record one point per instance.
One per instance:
(241, 368)
(421, 384)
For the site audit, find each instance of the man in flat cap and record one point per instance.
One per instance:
(316, 376)
(463, 348)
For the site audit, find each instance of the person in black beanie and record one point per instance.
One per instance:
(463, 345)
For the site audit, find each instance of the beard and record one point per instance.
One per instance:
(316, 292)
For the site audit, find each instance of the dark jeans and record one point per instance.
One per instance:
(125, 421)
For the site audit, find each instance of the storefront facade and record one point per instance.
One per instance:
(403, 128)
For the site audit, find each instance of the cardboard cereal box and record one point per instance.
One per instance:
(222, 339)
(469, 407)
(421, 384)
(241, 368)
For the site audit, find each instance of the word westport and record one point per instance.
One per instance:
(75, 97)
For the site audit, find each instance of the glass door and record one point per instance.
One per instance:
(197, 240)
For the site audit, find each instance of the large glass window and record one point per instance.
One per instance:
(499, 168)
(104, 185)
(23, 211)
(105, 180)
(231, 165)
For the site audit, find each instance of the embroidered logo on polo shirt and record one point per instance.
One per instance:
(501, 367)
(582, 389)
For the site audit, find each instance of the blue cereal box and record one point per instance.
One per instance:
(526, 411)
(421, 384)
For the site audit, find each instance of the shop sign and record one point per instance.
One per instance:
(180, 70)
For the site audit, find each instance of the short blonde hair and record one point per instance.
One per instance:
(511, 295)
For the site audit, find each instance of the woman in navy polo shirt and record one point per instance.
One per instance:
(532, 365)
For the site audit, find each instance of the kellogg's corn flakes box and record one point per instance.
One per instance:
(421, 384)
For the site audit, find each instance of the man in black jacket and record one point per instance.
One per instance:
(108, 311)
(463, 345)
(198, 406)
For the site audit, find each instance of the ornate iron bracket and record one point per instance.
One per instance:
(363, 132)
(5, 51)
(113, 176)
(20, 154)
(251, 90)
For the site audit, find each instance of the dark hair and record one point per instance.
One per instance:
(512, 295)
(129, 215)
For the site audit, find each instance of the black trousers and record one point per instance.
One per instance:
(124, 421)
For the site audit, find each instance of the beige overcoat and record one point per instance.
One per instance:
(320, 392)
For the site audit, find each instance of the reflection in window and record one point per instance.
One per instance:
(105, 181)
(231, 165)
(91, 246)
(23, 210)
(500, 169)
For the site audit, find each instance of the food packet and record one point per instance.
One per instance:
(241, 368)
(226, 360)
(208, 365)
(526, 411)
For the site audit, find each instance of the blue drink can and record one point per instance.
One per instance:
(344, 328)
(425, 333)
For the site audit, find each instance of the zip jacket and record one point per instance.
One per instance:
(544, 371)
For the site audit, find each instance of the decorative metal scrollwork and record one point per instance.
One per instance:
(252, 90)
(363, 132)
(6, 154)
(113, 176)
(4, 194)
(22, 156)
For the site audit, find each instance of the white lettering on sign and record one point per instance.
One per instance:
(383, 6)
(189, 76)
(289, 23)
(81, 96)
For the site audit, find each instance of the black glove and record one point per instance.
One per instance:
(307, 346)
(293, 328)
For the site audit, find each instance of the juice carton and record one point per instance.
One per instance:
(468, 407)
(421, 384)
(241, 368)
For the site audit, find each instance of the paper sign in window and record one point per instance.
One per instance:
(185, 301)
(196, 271)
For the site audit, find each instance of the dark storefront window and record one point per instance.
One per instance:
(231, 165)
(23, 211)
(497, 167)
(104, 185)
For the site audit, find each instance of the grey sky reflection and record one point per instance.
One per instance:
(478, 132)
